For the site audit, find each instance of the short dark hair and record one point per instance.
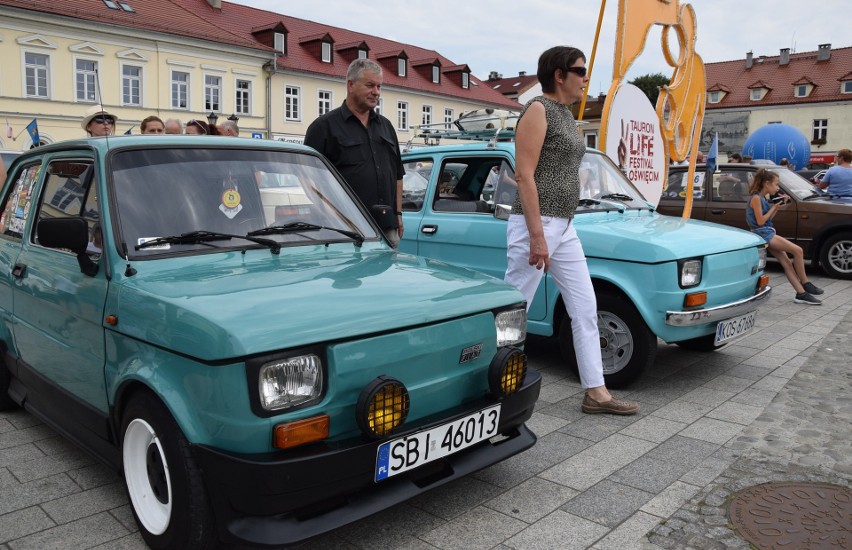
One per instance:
(557, 57)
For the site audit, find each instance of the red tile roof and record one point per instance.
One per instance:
(515, 85)
(767, 72)
(240, 20)
(164, 16)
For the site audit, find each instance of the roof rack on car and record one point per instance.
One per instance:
(480, 125)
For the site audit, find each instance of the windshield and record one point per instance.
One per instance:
(170, 192)
(795, 184)
(601, 180)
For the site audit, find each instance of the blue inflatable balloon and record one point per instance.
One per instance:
(777, 141)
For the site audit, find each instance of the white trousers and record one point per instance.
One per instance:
(569, 271)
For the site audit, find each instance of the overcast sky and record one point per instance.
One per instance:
(508, 36)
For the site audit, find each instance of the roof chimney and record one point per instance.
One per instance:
(824, 52)
(215, 4)
(749, 60)
(785, 56)
(522, 73)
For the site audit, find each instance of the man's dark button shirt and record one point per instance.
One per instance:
(367, 158)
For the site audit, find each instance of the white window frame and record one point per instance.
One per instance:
(212, 93)
(426, 115)
(242, 96)
(436, 74)
(400, 66)
(380, 106)
(801, 90)
(325, 52)
(846, 87)
(90, 81)
(126, 83)
(325, 99)
(591, 139)
(178, 88)
(713, 97)
(402, 116)
(465, 80)
(362, 53)
(279, 42)
(820, 128)
(37, 70)
(755, 94)
(292, 103)
(449, 117)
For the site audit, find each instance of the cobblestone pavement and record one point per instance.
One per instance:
(774, 406)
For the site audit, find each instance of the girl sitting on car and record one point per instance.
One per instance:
(761, 208)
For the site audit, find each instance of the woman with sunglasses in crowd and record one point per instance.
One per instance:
(97, 122)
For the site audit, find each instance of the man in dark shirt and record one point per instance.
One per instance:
(363, 146)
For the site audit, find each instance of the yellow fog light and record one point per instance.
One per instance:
(382, 407)
(507, 371)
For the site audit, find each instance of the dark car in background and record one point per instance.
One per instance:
(817, 221)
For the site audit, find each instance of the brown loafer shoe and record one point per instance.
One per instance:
(613, 406)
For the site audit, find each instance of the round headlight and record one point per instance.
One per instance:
(507, 371)
(382, 407)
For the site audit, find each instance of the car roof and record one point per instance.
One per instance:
(105, 144)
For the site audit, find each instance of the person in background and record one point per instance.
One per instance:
(197, 128)
(747, 159)
(97, 122)
(735, 158)
(838, 179)
(760, 210)
(173, 126)
(229, 128)
(540, 233)
(363, 146)
(152, 125)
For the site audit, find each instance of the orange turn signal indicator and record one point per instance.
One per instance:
(762, 282)
(300, 432)
(695, 299)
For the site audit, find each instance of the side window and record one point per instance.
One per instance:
(677, 183)
(731, 186)
(69, 192)
(507, 187)
(16, 208)
(414, 184)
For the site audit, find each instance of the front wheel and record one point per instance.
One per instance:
(165, 487)
(5, 380)
(835, 256)
(627, 345)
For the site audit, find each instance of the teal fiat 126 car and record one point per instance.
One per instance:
(220, 320)
(692, 283)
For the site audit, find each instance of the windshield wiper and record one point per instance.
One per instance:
(618, 197)
(588, 202)
(198, 237)
(296, 227)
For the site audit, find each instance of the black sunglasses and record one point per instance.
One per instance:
(579, 71)
(104, 119)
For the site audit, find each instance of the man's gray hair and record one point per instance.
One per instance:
(230, 126)
(357, 68)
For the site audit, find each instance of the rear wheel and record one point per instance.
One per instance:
(627, 345)
(5, 379)
(165, 487)
(835, 256)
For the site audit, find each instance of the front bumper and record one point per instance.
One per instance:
(690, 318)
(270, 500)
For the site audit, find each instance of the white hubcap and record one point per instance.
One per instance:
(147, 475)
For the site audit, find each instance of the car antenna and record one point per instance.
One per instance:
(101, 103)
(129, 270)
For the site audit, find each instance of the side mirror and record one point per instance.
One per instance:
(502, 211)
(71, 234)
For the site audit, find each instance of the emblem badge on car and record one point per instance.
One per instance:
(471, 353)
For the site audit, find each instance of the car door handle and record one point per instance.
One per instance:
(19, 270)
(429, 229)
(718, 212)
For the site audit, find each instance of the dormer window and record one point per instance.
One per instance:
(436, 74)
(756, 94)
(801, 90)
(362, 54)
(280, 42)
(714, 97)
(846, 87)
(400, 66)
(326, 52)
(465, 80)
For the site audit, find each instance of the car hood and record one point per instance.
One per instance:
(648, 237)
(222, 306)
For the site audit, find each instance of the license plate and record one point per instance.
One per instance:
(734, 328)
(413, 450)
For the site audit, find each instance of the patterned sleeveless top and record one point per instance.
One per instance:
(557, 176)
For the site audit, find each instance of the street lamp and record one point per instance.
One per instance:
(234, 118)
(212, 118)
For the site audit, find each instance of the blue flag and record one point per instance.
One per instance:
(713, 155)
(32, 130)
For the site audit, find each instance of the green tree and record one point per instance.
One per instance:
(650, 85)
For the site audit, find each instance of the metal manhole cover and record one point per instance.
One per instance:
(794, 515)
